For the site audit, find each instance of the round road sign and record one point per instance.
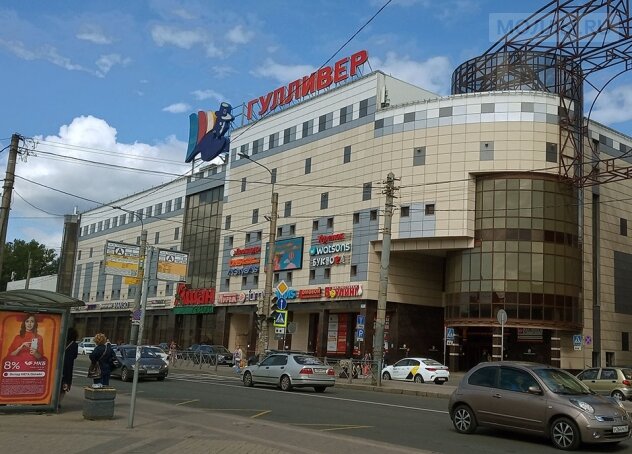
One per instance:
(502, 316)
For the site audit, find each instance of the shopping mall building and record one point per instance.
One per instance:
(484, 219)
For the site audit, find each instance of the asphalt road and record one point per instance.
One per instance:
(408, 421)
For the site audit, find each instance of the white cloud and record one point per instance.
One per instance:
(207, 94)
(221, 72)
(93, 140)
(184, 14)
(282, 73)
(185, 39)
(94, 34)
(178, 107)
(239, 35)
(432, 74)
(612, 106)
(106, 62)
(47, 53)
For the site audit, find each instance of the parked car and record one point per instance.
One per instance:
(419, 370)
(211, 353)
(150, 365)
(290, 370)
(537, 399)
(87, 339)
(609, 381)
(85, 348)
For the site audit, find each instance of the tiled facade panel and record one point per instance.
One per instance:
(364, 231)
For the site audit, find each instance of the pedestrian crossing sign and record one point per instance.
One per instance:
(280, 319)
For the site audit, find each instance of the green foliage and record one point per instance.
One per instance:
(16, 260)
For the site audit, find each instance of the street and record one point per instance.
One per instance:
(406, 421)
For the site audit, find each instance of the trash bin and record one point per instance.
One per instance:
(98, 403)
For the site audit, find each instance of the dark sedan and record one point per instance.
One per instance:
(150, 365)
(209, 354)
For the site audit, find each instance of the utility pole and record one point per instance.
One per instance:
(134, 340)
(267, 292)
(7, 192)
(380, 320)
(28, 272)
(141, 325)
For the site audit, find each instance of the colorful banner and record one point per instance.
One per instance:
(288, 254)
(29, 351)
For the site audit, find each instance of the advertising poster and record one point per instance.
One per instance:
(288, 254)
(332, 334)
(28, 351)
(342, 333)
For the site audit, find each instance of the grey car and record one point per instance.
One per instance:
(537, 399)
(290, 370)
(609, 381)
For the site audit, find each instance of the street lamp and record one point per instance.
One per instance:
(262, 344)
(139, 277)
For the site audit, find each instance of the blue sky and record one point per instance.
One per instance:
(115, 81)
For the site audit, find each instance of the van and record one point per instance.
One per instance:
(87, 339)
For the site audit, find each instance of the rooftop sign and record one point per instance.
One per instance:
(318, 80)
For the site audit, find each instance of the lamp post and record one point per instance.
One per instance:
(134, 340)
(262, 343)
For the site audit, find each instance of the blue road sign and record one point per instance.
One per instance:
(360, 334)
(282, 303)
(577, 339)
(450, 333)
(360, 320)
(280, 319)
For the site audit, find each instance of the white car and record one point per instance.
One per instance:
(159, 352)
(419, 370)
(85, 348)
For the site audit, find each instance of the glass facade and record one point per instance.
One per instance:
(526, 257)
(202, 228)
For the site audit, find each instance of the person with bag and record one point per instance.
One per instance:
(102, 358)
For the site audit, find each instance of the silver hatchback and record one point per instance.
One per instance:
(538, 399)
(290, 370)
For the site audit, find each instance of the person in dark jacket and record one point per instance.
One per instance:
(104, 355)
(70, 354)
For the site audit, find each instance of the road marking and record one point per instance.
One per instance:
(188, 402)
(261, 414)
(345, 428)
(335, 426)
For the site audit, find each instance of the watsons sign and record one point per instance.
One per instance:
(318, 80)
(324, 253)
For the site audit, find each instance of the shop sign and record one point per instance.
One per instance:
(529, 334)
(329, 251)
(343, 291)
(310, 293)
(298, 89)
(193, 297)
(116, 305)
(229, 299)
(246, 251)
(250, 269)
(241, 261)
(190, 310)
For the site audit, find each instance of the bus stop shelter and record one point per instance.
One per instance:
(33, 326)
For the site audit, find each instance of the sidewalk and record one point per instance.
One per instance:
(168, 429)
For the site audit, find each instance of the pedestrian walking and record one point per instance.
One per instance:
(237, 357)
(173, 347)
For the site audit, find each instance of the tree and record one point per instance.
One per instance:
(16, 260)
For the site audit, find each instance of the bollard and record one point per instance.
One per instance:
(98, 403)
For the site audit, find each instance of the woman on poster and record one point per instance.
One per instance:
(27, 344)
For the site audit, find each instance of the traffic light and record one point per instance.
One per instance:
(273, 303)
(259, 321)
